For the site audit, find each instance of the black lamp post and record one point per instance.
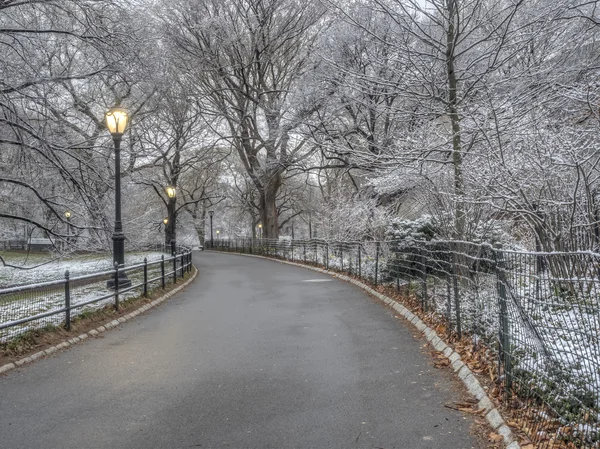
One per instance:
(68, 217)
(210, 214)
(171, 219)
(116, 122)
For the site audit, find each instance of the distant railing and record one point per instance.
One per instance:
(34, 306)
(539, 313)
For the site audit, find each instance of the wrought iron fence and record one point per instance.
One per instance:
(538, 313)
(34, 306)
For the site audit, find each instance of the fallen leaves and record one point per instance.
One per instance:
(495, 438)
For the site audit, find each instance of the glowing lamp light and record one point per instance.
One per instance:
(171, 192)
(166, 221)
(116, 120)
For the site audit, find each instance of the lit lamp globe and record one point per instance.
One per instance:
(116, 121)
(171, 192)
(166, 221)
(68, 215)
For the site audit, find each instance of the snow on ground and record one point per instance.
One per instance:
(54, 269)
(25, 304)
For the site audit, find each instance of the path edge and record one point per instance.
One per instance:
(492, 414)
(99, 330)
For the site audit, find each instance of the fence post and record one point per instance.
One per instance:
(376, 262)
(174, 269)
(182, 265)
(359, 263)
(162, 270)
(342, 257)
(327, 255)
(424, 280)
(304, 245)
(350, 263)
(116, 286)
(292, 250)
(504, 336)
(456, 292)
(67, 301)
(145, 276)
(449, 301)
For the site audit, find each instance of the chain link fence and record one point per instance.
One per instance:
(537, 313)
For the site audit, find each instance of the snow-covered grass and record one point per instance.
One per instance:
(44, 266)
(23, 304)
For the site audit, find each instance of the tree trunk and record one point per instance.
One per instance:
(459, 189)
(171, 226)
(268, 207)
(200, 224)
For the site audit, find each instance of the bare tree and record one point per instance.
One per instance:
(247, 59)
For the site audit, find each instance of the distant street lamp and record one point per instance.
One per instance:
(116, 122)
(68, 217)
(260, 231)
(210, 214)
(165, 221)
(171, 192)
(218, 232)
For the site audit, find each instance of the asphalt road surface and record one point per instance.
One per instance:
(253, 354)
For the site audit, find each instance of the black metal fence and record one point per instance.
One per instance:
(538, 313)
(34, 306)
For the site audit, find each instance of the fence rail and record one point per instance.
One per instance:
(27, 307)
(538, 313)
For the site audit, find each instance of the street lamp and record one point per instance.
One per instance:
(260, 231)
(166, 221)
(170, 226)
(68, 217)
(210, 214)
(116, 122)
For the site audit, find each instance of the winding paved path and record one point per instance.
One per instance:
(254, 354)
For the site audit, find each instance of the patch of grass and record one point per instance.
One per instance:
(27, 340)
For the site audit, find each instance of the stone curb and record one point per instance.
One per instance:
(492, 415)
(97, 331)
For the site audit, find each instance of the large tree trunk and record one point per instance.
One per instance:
(268, 207)
(171, 226)
(200, 223)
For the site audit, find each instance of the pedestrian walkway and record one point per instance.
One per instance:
(253, 354)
